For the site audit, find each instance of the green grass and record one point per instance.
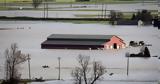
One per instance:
(0, 81)
(10, 1)
(3, 8)
(127, 15)
(98, 1)
(6, 8)
(69, 1)
(84, 22)
(65, 0)
(86, 16)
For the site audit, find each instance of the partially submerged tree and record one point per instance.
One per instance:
(82, 0)
(14, 58)
(77, 75)
(98, 71)
(146, 52)
(115, 15)
(84, 63)
(84, 74)
(36, 3)
(144, 16)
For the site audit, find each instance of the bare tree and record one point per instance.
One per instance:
(77, 74)
(84, 62)
(89, 75)
(14, 58)
(98, 71)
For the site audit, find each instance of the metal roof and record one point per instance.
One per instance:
(69, 42)
(78, 36)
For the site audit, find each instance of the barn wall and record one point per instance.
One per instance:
(114, 39)
(55, 46)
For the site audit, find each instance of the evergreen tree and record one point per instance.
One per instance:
(146, 52)
(144, 15)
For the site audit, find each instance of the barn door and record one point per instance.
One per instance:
(115, 46)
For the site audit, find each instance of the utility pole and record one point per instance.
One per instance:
(102, 9)
(96, 3)
(59, 69)
(127, 65)
(47, 8)
(44, 14)
(158, 2)
(29, 69)
(5, 3)
(71, 4)
(105, 14)
(142, 2)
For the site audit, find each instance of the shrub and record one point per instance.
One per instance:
(141, 42)
(11, 81)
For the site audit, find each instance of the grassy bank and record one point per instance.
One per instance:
(85, 22)
(53, 19)
(66, 20)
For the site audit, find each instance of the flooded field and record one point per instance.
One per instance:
(29, 35)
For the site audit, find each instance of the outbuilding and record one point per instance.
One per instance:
(70, 41)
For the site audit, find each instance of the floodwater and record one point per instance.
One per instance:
(29, 35)
(67, 11)
(51, 14)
